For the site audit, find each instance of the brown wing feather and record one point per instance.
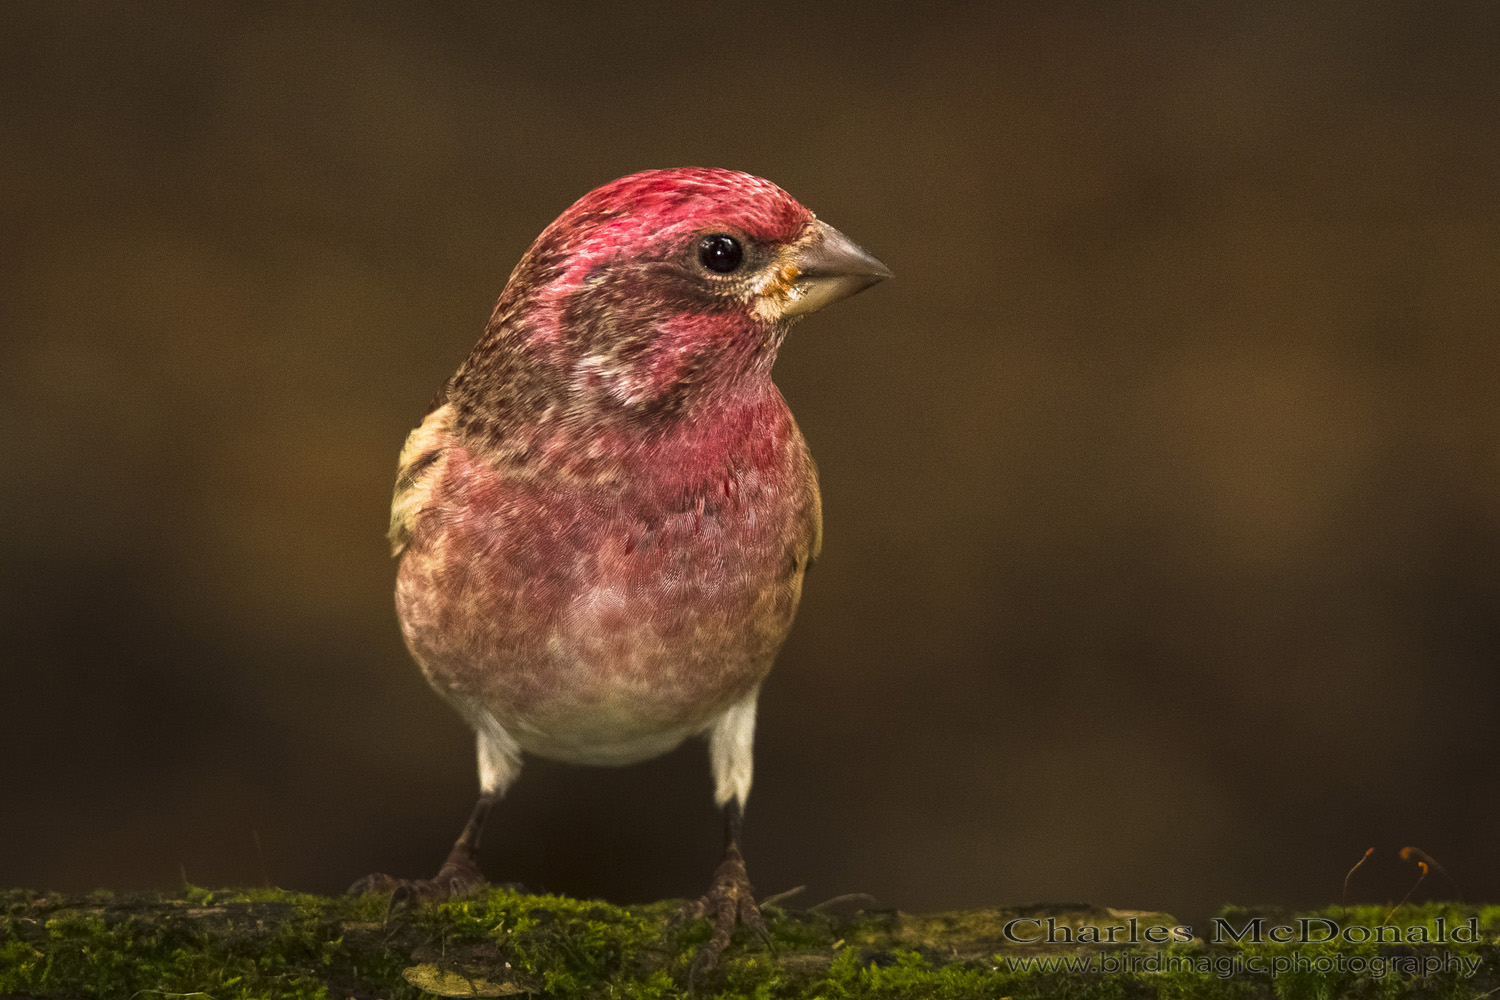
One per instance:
(420, 467)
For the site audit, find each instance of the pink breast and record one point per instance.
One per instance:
(545, 596)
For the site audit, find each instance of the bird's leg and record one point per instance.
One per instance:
(730, 898)
(461, 868)
(499, 765)
(458, 876)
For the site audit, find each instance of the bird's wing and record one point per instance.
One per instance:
(816, 549)
(812, 505)
(420, 468)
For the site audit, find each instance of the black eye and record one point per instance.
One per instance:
(720, 252)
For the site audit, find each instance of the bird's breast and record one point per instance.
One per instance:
(599, 622)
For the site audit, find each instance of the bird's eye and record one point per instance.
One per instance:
(720, 252)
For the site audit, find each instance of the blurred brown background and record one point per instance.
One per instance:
(1162, 485)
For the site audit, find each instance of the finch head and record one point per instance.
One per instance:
(653, 294)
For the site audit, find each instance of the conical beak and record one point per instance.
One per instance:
(830, 266)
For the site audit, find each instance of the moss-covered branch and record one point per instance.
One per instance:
(269, 943)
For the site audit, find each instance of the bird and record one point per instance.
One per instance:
(604, 519)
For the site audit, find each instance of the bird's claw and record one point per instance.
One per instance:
(730, 900)
(455, 880)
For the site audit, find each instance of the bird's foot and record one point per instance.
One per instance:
(730, 900)
(458, 878)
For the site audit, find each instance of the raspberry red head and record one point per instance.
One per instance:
(654, 292)
(652, 213)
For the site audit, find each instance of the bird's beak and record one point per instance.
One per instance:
(829, 266)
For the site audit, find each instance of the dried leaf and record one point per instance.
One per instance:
(448, 983)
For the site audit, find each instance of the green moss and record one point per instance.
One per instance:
(228, 944)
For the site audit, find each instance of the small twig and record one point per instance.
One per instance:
(1417, 854)
(845, 898)
(1344, 896)
(1422, 865)
(777, 898)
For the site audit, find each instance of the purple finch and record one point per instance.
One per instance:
(604, 520)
